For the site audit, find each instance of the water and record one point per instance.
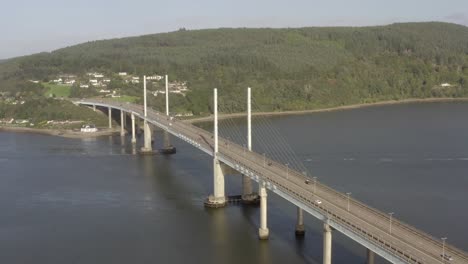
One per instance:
(93, 201)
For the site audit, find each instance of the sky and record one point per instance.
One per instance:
(31, 26)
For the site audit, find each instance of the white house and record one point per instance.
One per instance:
(154, 77)
(122, 74)
(89, 129)
(445, 85)
(93, 81)
(84, 86)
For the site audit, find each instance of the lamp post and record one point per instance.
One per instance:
(391, 215)
(443, 248)
(348, 194)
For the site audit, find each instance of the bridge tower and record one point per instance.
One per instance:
(248, 196)
(218, 198)
(146, 127)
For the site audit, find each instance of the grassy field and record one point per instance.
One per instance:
(57, 90)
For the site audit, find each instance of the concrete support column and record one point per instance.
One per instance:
(218, 199)
(263, 231)
(133, 129)
(122, 124)
(110, 117)
(300, 231)
(147, 138)
(327, 244)
(248, 196)
(94, 108)
(370, 256)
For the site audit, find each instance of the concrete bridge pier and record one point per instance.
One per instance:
(147, 148)
(263, 232)
(109, 113)
(122, 123)
(248, 196)
(133, 129)
(370, 256)
(300, 230)
(218, 199)
(94, 108)
(327, 244)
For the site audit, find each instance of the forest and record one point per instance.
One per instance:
(288, 69)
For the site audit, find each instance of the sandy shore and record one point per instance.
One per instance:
(339, 108)
(61, 132)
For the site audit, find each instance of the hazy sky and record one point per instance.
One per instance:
(30, 26)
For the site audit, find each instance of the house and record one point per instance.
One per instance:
(106, 80)
(88, 128)
(93, 81)
(122, 74)
(135, 79)
(155, 77)
(445, 85)
(104, 91)
(70, 82)
(98, 75)
(84, 86)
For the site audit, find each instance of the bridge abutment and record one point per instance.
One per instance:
(263, 232)
(300, 230)
(327, 244)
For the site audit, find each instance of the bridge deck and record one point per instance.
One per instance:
(362, 223)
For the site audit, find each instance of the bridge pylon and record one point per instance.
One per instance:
(248, 195)
(218, 198)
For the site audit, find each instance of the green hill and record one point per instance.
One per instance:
(288, 69)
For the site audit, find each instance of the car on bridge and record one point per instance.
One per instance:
(446, 257)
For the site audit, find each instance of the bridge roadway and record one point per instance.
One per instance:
(363, 224)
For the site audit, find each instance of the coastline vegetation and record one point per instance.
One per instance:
(288, 69)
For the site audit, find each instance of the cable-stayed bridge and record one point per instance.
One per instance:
(379, 232)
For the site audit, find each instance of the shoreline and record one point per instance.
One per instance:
(66, 133)
(330, 109)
